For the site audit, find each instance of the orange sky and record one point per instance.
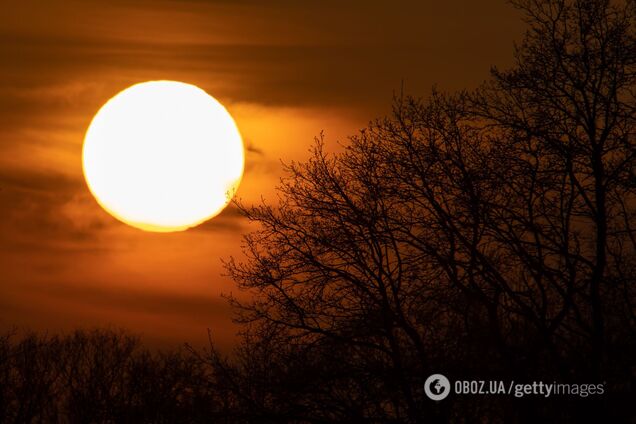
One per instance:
(285, 70)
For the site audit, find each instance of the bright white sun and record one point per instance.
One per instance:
(163, 156)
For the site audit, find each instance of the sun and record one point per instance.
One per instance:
(163, 156)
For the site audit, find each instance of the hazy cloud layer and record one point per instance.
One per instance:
(286, 70)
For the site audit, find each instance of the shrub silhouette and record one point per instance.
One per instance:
(99, 376)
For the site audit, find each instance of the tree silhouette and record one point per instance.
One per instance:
(567, 111)
(100, 376)
(486, 234)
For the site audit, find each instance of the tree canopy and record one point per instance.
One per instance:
(484, 234)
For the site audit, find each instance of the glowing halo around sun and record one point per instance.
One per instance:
(163, 156)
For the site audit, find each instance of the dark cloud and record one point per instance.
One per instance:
(49, 213)
(193, 313)
(22, 180)
(196, 307)
(230, 219)
(285, 53)
(250, 147)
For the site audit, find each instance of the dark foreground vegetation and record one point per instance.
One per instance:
(99, 376)
(483, 235)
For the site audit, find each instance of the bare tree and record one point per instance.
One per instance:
(100, 376)
(488, 234)
(567, 109)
